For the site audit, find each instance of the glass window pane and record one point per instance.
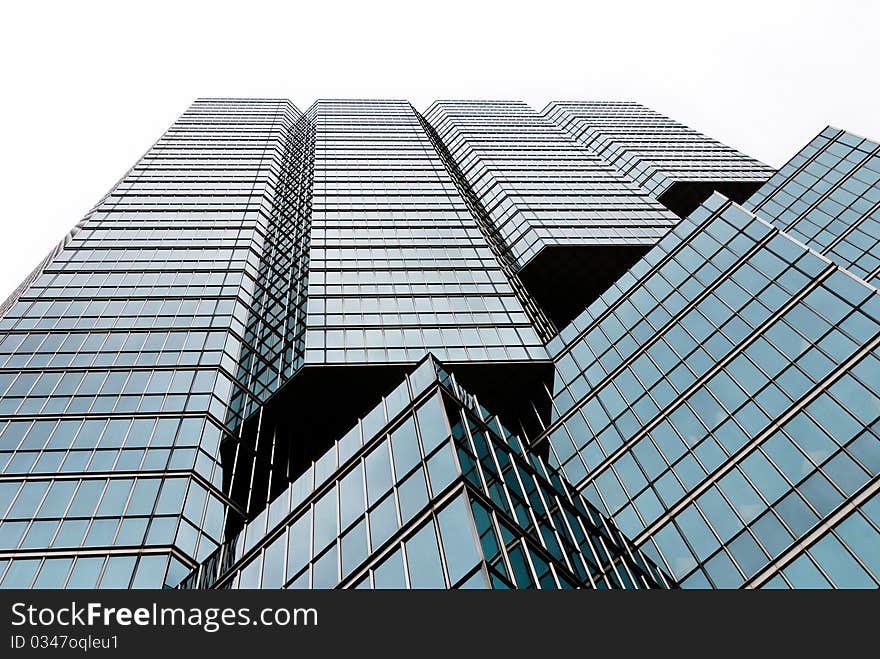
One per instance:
(838, 564)
(117, 574)
(432, 423)
(325, 520)
(299, 544)
(351, 496)
(21, 573)
(150, 572)
(457, 536)
(378, 472)
(413, 495)
(354, 547)
(390, 573)
(405, 447)
(383, 522)
(53, 573)
(423, 559)
(325, 572)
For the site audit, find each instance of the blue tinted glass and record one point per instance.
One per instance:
(747, 554)
(351, 496)
(838, 564)
(802, 573)
(20, 573)
(862, 539)
(432, 423)
(383, 522)
(273, 564)
(53, 573)
(28, 499)
(354, 547)
(299, 544)
(117, 574)
(442, 469)
(325, 570)
(771, 533)
(719, 514)
(404, 447)
(820, 493)
(457, 536)
(723, 572)
(390, 574)
(413, 495)
(697, 532)
(325, 520)
(150, 572)
(378, 472)
(674, 550)
(423, 559)
(795, 513)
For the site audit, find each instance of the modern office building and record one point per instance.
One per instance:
(559, 212)
(120, 354)
(332, 348)
(676, 164)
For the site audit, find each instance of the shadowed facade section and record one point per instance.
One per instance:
(566, 280)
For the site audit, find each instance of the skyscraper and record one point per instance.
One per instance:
(676, 164)
(827, 196)
(558, 211)
(362, 346)
(121, 353)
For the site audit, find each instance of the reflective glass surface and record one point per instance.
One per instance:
(538, 186)
(719, 402)
(117, 360)
(440, 496)
(650, 148)
(828, 196)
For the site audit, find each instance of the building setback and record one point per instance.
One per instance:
(362, 346)
(676, 164)
(559, 212)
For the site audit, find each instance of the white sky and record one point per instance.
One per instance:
(89, 86)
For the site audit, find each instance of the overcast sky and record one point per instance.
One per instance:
(88, 86)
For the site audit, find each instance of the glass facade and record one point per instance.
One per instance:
(274, 335)
(828, 197)
(397, 265)
(429, 490)
(719, 403)
(558, 210)
(117, 361)
(375, 261)
(676, 164)
(368, 347)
